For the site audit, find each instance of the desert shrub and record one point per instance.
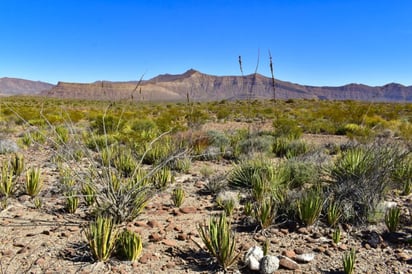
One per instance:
(361, 177)
(265, 211)
(129, 245)
(289, 148)
(228, 201)
(286, 127)
(34, 182)
(162, 178)
(17, 164)
(101, 236)
(107, 124)
(392, 218)
(124, 162)
(300, 173)
(253, 144)
(348, 260)
(178, 196)
(309, 206)
(402, 175)
(180, 164)
(7, 180)
(72, 201)
(219, 240)
(62, 134)
(333, 213)
(99, 142)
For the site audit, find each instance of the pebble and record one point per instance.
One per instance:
(289, 253)
(287, 263)
(187, 210)
(153, 224)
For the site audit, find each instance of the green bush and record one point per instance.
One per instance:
(219, 240)
(129, 245)
(310, 207)
(34, 182)
(101, 236)
(361, 177)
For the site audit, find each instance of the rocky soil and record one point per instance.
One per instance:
(49, 240)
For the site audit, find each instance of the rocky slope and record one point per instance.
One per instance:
(14, 86)
(203, 87)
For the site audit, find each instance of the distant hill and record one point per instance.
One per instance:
(203, 87)
(15, 86)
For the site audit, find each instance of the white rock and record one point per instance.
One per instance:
(253, 257)
(269, 264)
(305, 258)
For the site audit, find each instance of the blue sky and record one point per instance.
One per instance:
(313, 42)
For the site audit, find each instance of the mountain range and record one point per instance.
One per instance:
(203, 87)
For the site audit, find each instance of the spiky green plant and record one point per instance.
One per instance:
(34, 182)
(89, 193)
(101, 236)
(348, 260)
(17, 164)
(129, 245)
(336, 235)
(72, 201)
(7, 182)
(334, 213)
(178, 196)
(310, 206)
(392, 218)
(265, 212)
(219, 240)
(162, 178)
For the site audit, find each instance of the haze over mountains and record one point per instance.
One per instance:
(204, 87)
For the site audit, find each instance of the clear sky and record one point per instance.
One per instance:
(313, 42)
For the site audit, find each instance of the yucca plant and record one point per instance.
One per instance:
(7, 183)
(219, 240)
(348, 260)
(89, 193)
(17, 164)
(101, 236)
(310, 206)
(34, 182)
(334, 213)
(178, 196)
(392, 218)
(62, 134)
(129, 245)
(265, 212)
(162, 178)
(336, 235)
(72, 201)
(125, 163)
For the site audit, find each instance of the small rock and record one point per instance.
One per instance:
(40, 262)
(289, 253)
(305, 258)
(7, 252)
(146, 258)
(328, 252)
(153, 224)
(45, 232)
(299, 250)
(303, 230)
(253, 257)
(403, 257)
(182, 237)
(169, 242)
(269, 264)
(319, 249)
(140, 223)
(155, 237)
(187, 210)
(287, 263)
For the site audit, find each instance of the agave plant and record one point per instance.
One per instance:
(219, 240)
